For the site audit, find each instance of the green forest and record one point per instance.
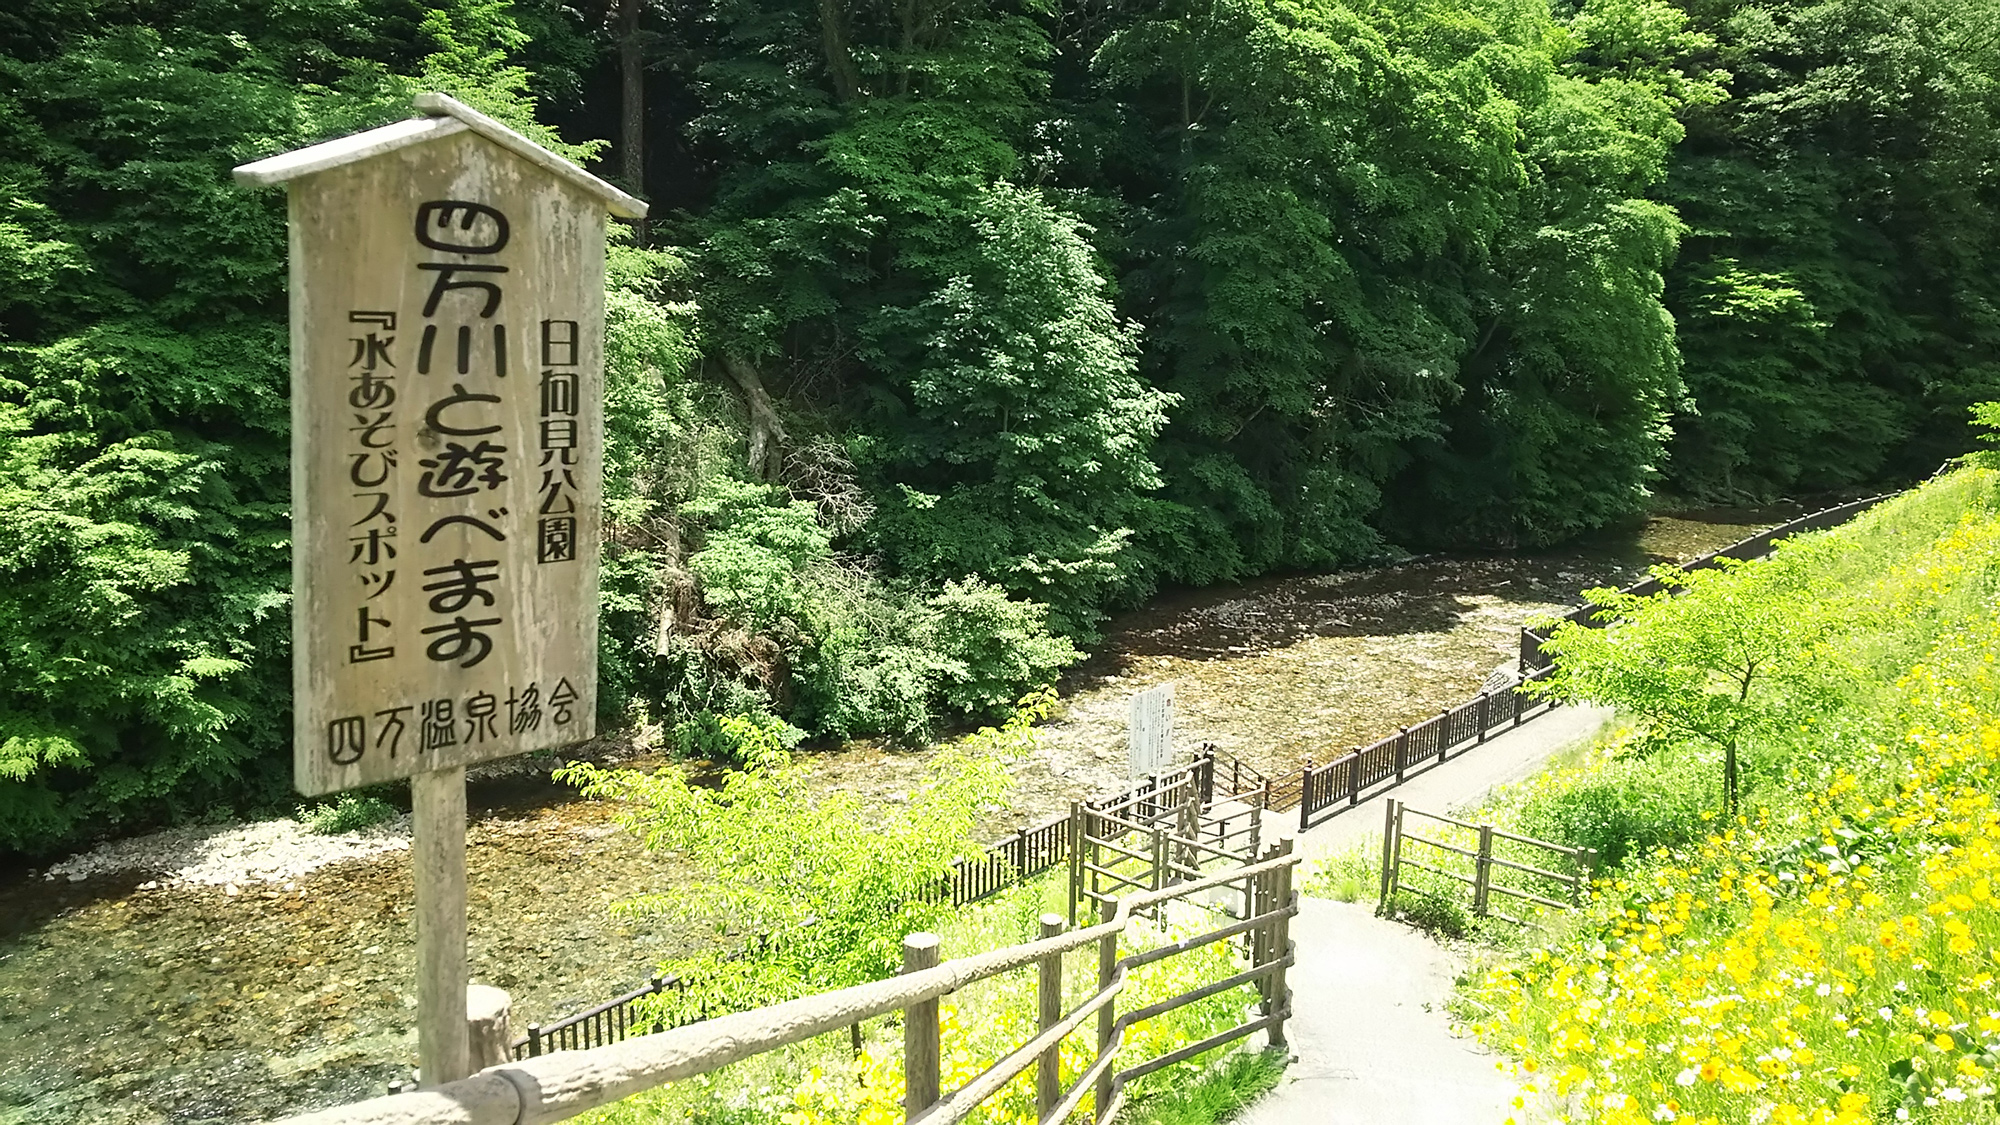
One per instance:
(959, 324)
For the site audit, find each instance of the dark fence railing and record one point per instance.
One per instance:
(1534, 657)
(1027, 853)
(1345, 780)
(609, 1022)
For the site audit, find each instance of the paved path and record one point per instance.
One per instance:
(1370, 1036)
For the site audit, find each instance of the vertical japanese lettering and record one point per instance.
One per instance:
(371, 467)
(467, 461)
(555, 527)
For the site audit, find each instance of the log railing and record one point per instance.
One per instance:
(555, 1087)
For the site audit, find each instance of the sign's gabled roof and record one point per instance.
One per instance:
(447, 116)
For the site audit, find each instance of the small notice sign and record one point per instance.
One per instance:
(1152, 729)
(447, 317)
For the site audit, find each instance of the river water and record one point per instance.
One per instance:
(128, 999)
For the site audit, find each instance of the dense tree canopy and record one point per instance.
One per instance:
(960, 322)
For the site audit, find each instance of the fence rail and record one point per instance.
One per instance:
(554, 1087)
(1030, 851)
(1343, 782)
(607, 1023)
(1535, 658)
(1485, 866)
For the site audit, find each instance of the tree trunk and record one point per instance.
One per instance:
(632, 103)
(839, 60)
(1729, 780)
(767, 431)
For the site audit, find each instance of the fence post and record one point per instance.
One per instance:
(1048, 995)
(1517, 703)
(534, 1040)
(1388, 849)
(921, 1049)
(1395, 851)
(1482, 870)
(1021, 853)
(1107, 1018)
(1206, 772)
(1402, 752)
(1259, 935)
(1354, 776)
(1160, 859)
(1075, 833)
(1305, 795)
(1445, 732)
(1281, 947)
(1484, 699)
(1587, 859)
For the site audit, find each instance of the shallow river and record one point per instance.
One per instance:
(126, 999)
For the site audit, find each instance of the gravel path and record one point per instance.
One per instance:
(1371, 1040)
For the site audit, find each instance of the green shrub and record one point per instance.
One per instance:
(1349, 876)
(349, 812)
(1431, 913)
(824, 883)
(1620, 805)
(737, 740)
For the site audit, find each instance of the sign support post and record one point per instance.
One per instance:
(437, 854)
(447, 350)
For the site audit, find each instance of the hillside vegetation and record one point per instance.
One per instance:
(1829, 952)
(958, 325)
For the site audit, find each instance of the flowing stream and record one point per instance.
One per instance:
(139, 995)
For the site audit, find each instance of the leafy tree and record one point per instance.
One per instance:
(1834, 325)
(1742, 656)
(143, 419)
(870, 243)
(826, 885)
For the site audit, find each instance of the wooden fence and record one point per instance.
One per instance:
(1479, 866)
(554, 1087)
(1156, 800)
(1343, 782)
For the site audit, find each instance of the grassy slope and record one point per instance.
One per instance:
(1830, 955)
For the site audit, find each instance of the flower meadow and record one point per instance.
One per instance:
(1832, 953)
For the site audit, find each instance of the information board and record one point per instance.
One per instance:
(447, 364)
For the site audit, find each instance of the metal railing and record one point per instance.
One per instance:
(607, 1023)
(1478, 865)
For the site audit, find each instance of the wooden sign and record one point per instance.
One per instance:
(1151, 738)
(447, 320)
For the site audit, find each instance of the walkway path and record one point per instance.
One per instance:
(1370, 1035)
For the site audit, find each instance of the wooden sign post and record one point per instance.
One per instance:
(447, 331)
